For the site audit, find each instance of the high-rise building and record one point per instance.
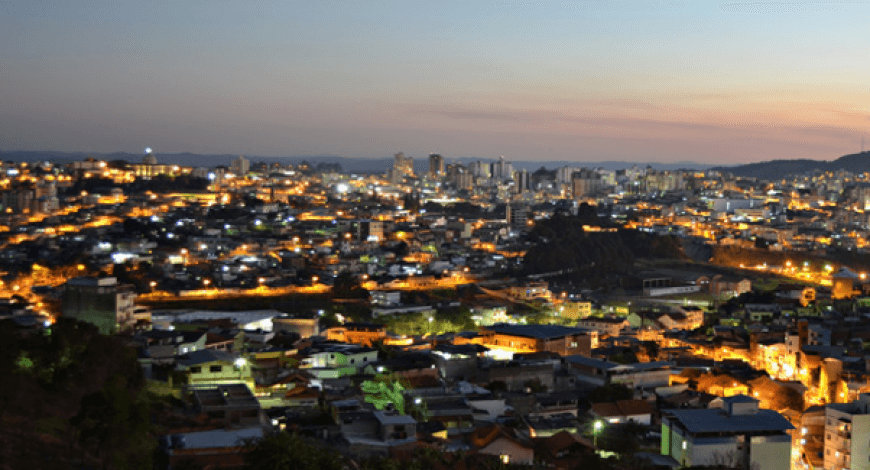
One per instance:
(101, 302)
(847, 434)
(517, 216)
(460, 176)
(480, 169)
(18, 199)
(522, 180)
(240, 166)
(502, 170)
(402, 167)
(585, 183)
(436, 165)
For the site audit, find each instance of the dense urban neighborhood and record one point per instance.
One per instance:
(258, 314)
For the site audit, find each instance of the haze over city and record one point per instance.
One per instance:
(710, 82)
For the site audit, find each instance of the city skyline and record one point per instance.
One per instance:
(714, 83)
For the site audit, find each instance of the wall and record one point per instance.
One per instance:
(770, 452)
(861, 440)
(721, 450)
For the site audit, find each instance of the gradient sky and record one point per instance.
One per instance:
(712, 82)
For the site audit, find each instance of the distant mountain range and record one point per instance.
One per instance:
(778, 169)
(358, 165)
(770, 170)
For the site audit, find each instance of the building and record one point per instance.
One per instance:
(498, 441)
(402, 167)
(150, 168)
(436, 165)
(209, 367)
(101, 302)
(574, 310)
(501, 170)
(728, 286)
(240, 166)
(517, 216)
(19, 199)
(539, 338)
(843, 284)
(738, 435)
(847, 434)
(522, 180)
(229, 404)
(368, 230)
(623, 411)
(603, 325)
(216, 448)
(585, 183)
(534, 290)
(304, 327)
(599, 372)
(357, 333)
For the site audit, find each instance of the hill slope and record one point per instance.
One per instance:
(777, 169)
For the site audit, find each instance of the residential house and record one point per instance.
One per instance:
(209, 367)
(537, 338)
(217, 448)
(500, 442)
(228, 404)
(357, 333)
(374, 433)
(640, 374)
(623, 411)
(563, 450)
(605, 326)
(162, 346)
(740, 434)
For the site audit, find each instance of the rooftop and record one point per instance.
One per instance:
(718, 420)
(536, 331)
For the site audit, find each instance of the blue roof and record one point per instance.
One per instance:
(590, 362)
(536, 331)
(204, 356)
(718, 420)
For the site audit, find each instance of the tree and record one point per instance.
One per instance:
(787, 398)
(114, 423)
(286, 451)
(611, 393)
(347, 285)
(385, 391)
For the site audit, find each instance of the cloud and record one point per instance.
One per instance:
(736, 126)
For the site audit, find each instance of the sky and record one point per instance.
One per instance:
(641, 81)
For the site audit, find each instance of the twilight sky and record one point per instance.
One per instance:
(712, 82)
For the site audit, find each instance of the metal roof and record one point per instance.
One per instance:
(536, 331)
(718, 420)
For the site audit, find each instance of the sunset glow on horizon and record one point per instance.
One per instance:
(710, 82)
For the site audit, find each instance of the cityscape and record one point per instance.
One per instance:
(384, 236)
(548, 318)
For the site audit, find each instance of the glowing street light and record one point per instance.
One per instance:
(596, 428)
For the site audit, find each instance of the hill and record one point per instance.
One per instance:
(778, 169)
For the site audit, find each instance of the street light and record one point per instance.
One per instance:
(596, 428)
